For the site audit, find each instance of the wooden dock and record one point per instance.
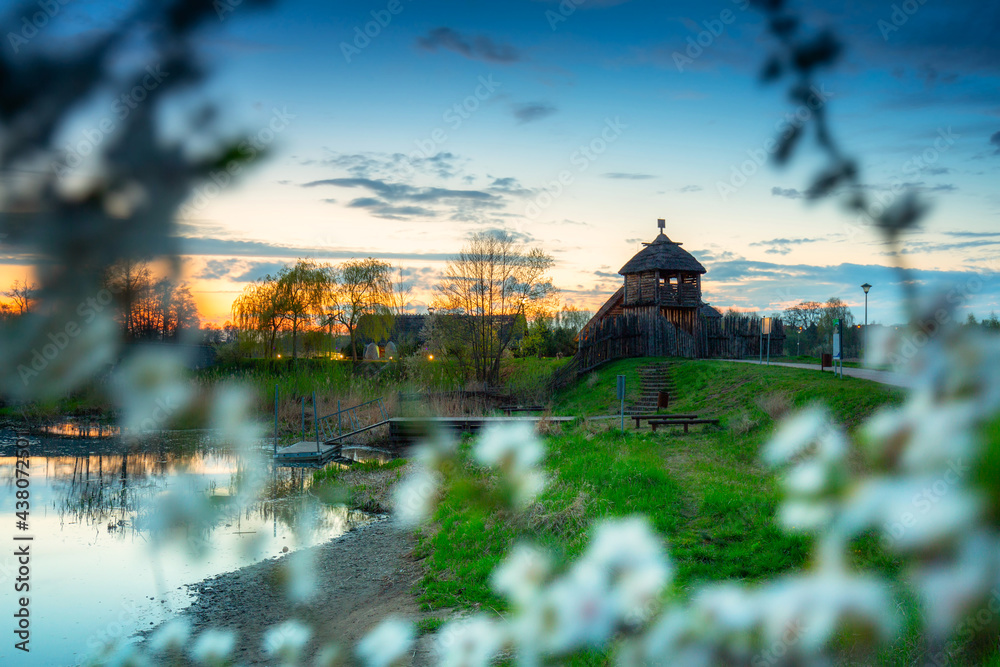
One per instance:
(403, 432)
(306, 453)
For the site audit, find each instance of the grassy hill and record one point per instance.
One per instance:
(705, 491)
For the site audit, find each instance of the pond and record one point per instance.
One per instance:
(95, 576)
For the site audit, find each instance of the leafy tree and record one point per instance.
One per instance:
(301, 292)
(260, 312)
(362, 289)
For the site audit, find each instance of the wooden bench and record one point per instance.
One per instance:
(679, 422)
(509, 409)
(638, 418)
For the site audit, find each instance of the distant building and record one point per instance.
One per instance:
(659, 311)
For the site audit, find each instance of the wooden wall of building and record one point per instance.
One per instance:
(647, 332)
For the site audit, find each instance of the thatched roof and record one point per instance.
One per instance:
(662, 255)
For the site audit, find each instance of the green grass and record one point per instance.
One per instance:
(596, 392)
(705, 492)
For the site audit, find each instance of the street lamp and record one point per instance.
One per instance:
(864, 337)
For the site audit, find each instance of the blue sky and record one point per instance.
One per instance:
(458, 117)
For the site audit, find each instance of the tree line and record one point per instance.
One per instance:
(494, 299)
(358, 297)
(148, 306)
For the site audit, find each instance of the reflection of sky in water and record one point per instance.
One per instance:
(91, 583)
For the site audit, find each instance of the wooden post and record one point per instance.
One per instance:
(315, 422)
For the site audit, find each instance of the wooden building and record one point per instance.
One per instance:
(659, 311)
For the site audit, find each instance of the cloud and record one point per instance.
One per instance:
(509, 185)
(782, 246)
(788, 193)
(973, 234)
(382, 209)
(257, 270)
(479, 47)
(909, 185)
(995, 141)
(399, 201)
(403, 192)
(924, 247)
(394, 165)
(215, 269)
(532, 111)
(690, 188)
(322, 249)
(520, 237)
(626, 176)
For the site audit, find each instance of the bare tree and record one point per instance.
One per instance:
(151, 307)
(494, 284)
(401, 290)
(23, 295)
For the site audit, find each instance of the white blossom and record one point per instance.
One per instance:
(286, 641)
(213, 647)
(822, 603)
(469, 642)
(574, 612)
(414, 497)
(511, 447)
(952, 591)
(171, 636)
(388, 644)
(521, 575)
(528, 485)
(795, 435)
(152, 389)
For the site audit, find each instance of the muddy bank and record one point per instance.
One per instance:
(361, 577)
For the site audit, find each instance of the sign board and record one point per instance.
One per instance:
(836, 345)
(621, 387)
(766, 326)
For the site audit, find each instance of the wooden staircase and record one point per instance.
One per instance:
(653, 378)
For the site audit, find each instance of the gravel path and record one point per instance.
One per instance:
(363, 576)
(882, 377)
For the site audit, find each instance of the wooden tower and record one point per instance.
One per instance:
(663, 279)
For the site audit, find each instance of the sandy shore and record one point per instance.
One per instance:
(362, 577)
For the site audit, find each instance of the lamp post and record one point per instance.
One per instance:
(864, 337)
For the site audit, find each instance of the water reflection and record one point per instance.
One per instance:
(80, 429)
(92, 519)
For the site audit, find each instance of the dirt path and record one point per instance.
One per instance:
(363, 576)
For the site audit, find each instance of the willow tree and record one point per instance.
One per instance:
(302, 291)
(260, 311)
(362, 292)
(289, 301)
(489, 289)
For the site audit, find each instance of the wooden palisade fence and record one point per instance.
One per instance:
(652, 335)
